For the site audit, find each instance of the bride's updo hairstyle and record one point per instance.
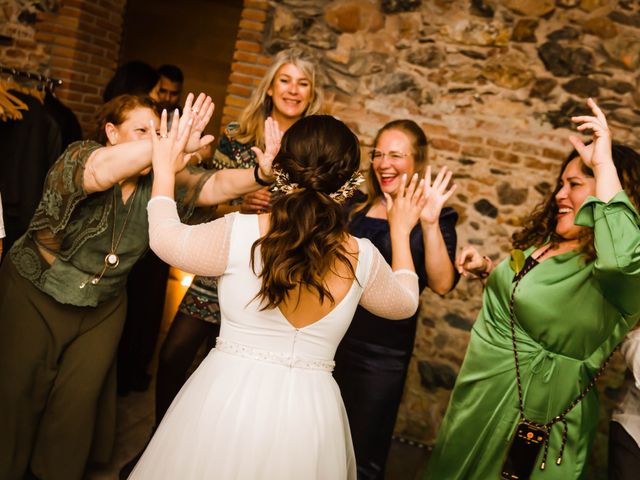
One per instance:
(307, 228)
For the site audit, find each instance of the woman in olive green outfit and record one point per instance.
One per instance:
(570, 312)
(62, 288)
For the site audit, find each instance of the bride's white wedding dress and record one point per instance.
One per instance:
(263, 404)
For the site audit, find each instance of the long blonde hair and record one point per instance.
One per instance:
(260, 105)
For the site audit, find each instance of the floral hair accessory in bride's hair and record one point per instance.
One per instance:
(348, 188)
(283, 184)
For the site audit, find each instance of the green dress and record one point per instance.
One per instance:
(570, 315)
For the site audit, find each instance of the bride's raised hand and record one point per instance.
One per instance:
(272, 139)
(598, 153)
(403, 212)
(437, 194)
(195, 117)
(167, 155)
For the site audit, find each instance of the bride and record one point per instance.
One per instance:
(263, 404)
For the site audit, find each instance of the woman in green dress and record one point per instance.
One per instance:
(569, 313)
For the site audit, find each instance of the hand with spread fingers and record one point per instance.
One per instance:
(195, 117)
(272, 139)
(168, 147)
(597, 153)
(403, 212)
(437, 194)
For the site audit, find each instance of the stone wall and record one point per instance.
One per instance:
(77, 41)
(493, 84)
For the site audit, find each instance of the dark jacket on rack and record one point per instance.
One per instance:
(28, 147)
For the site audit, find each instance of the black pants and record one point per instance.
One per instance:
(146, 288)
(624, 454)
(176, 356)
(371, 380)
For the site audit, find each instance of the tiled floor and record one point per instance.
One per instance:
(135, 420)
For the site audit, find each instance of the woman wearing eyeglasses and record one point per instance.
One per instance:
(373, 358)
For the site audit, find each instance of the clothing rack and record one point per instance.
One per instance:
(48, 81)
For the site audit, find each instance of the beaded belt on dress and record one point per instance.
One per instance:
(234, 348)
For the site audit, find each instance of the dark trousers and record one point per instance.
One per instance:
(146, 289)
(624, 454)
(177, 353)
(54, 364)
(371, 380)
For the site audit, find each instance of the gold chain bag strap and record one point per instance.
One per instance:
(530, 436)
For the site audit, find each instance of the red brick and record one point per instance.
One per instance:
(42, 37)
(241, 79)
(251, 25)
(435, 130)
(507, 157)
(89, 69)
(71, 96)
(529, 148)
(256, 4)
(107, 25)
(245, 57)
(108, 62)
(250, 36)
(82, 87)
(61, 41)
(475, 151)
(495, 143)
(554, 154)
(95, 9)
(239, 90)
(92, 99)
(62, 52)
(68, 21)
(23, 43)
(444, 144)
(81, 107)
(248, 46)
(469, 139)
(536, 164)
(57, 29)
(65, 63)
(254, 14)
(265, 60)
(73, 3)
(234, 101)
(248, 69)
(15, 53)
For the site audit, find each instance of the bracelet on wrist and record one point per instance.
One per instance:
(259, 181)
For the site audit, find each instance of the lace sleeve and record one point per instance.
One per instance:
(388, 294)
(200, 249)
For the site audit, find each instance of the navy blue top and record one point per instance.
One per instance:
(370, 328)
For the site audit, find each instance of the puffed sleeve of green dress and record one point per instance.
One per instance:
(617, 242)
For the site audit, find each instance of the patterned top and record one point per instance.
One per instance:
(77, 229)
(231, 153)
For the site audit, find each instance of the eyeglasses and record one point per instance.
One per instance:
(394, 157)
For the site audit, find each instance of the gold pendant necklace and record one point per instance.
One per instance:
(111, 259)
